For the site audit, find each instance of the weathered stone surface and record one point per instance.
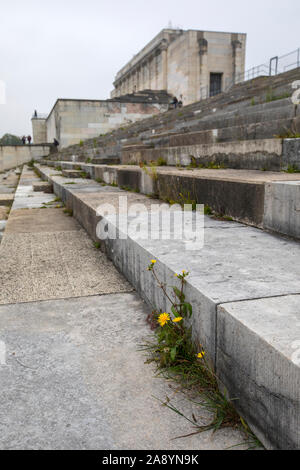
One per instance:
(163, 63)
(291, 153)
(72, 367)
(249, 154)
(45, 255)
(43, 187)
(6, 199)
(72, 173)
(237, 263)
(75, 379)
(258, 360)
(282, 207)
(12, 156)
(245, 195)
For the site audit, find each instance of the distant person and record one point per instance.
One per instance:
(35, 113)
(180, 104)
(56, 143)
(24, 140)
(175, 102)
(29, 139)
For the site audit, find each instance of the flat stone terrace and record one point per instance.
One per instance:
(71, 326)
(244, 287)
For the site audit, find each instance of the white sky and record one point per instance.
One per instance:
(73, 49)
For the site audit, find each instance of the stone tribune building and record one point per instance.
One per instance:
(188, 64)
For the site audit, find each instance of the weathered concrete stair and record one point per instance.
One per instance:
(244, 288)
(268, 200)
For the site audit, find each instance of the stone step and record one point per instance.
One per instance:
(43, 186)
(255, 131)
(6, 199)
(260, 154)
(113, 160)
(267, 200)
(243, 286)
(73, 173)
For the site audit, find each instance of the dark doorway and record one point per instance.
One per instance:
(215, 84)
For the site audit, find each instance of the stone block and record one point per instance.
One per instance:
(43, 187)
(258, 361)
(6, 199)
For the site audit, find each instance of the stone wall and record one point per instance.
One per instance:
(12, 156)
(71, 121)
(39, 130)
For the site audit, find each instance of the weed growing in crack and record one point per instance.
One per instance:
(178, 358)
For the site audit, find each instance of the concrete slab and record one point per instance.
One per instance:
(74, 379)
(25, 196)
(258, 359)
(40, 266)
(72, 173)
(282, 207)
(40, 220)
(6, 199)
(43, 186)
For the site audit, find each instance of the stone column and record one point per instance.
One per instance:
(149, 72)
(144, 75)
(138, 72)
(203, 81)
(237, 60)
(164, 57)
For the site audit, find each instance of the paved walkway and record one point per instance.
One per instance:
(74, 377)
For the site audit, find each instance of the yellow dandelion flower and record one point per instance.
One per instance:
(153, 261)
(163, 319)
(201, 355)
(177, 319)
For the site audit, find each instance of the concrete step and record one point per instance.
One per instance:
(113, 160)
(6, 199)
(260, 154)
(42, 186)
(72, 173)
(267, 200)
(255, 131)
(244, 288)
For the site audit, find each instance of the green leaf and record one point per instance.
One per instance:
(190, 309)
(177, 292)
(174, 311)
(173, 354)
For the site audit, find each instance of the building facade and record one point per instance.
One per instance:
(190, 65)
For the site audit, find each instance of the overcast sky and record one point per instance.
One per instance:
(73, 49)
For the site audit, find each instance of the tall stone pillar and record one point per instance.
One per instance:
(150, 72)
(143, 76)
(203, 82)
(237, 60)
(164, 58)
(138, 73)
